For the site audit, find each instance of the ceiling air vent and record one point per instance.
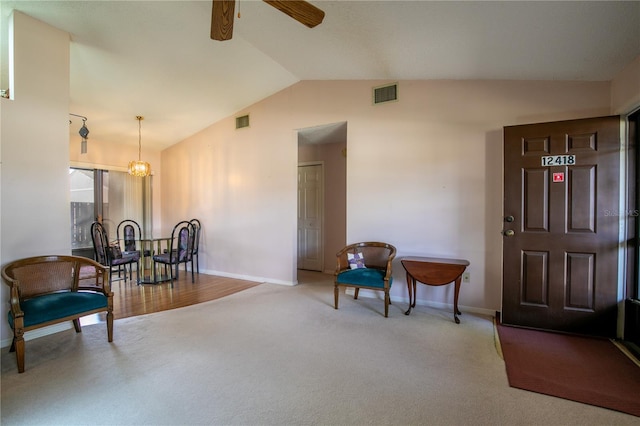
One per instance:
(242, 121)
(387, 93)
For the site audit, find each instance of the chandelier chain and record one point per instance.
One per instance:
(139, 138)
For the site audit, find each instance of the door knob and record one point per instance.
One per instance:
(508, 233)
(509, 218)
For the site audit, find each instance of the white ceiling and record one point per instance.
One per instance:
(155, 58)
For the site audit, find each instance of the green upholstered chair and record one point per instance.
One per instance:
(47, 290)
(365, 265)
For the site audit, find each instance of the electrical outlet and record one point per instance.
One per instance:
(466, 277)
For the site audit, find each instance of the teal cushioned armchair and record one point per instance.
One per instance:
(47, 290)
(371, 269)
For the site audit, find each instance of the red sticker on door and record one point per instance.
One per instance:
(558, 177)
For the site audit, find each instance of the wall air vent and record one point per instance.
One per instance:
(242, 121)
(386, 93)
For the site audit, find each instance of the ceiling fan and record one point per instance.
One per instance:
(222, 15)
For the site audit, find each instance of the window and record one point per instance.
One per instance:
(108, 196)
(634, 202)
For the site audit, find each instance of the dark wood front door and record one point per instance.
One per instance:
(561, 229)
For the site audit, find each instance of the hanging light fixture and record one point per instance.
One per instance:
(83, 132)
(139, 168)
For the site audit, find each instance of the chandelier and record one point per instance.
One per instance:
(139, 168)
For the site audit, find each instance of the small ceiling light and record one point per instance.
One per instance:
(139, 168)
(83, 132)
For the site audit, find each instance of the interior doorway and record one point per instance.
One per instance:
(326, 145)
(310, 216)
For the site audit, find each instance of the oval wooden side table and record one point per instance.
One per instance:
(434, 271)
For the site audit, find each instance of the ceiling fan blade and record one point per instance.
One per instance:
(302, 11)
(222, 19)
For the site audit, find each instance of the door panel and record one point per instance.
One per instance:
(536, 198)
(535, 272)
(310, 217)
(561, 251)
(581, 213)
(580, 281)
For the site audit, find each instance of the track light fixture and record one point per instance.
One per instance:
(83, 132)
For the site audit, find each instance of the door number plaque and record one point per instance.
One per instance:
(559, 160)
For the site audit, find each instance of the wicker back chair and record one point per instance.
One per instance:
(365, 265)
(46, 290)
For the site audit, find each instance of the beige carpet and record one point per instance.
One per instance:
(278, 355)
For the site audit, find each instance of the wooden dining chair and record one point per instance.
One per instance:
(365, 265)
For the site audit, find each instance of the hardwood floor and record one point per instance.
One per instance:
(130, 299)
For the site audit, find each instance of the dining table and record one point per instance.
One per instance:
(150, 246)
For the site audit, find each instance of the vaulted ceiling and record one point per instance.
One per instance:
(156, 59)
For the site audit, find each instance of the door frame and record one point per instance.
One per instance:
(631, 318)
(632, 193)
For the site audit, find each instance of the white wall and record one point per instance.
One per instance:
(625, 89)
(423, 173)
(35, 149)
(241, 190)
